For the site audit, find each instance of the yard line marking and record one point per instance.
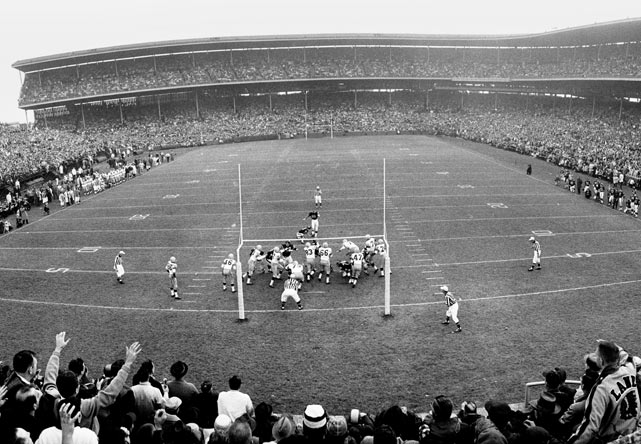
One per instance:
(197, 279)
(313, 292)
(421, 254)
(424, 259)
(431, 271)
(329, 309)
(434, 278)
(208, 267)
(196, 286)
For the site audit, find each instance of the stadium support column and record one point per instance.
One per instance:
(620, 107)
(196, 100)
(82, 113)
(122, 119)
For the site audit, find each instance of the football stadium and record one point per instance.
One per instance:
(460, 156)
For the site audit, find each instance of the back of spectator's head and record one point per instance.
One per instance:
(143, 374)
(552, 379)
(384, 434)
(563, 374)
(77, 366)
(608, 352)
(149, 365)
(67, 383)
(235, 382)
(263, 411)
(23, 360)
(314, 419)
(499, 412)
(111, 370)
(441, 408)
(222, 424)
(73, 401)
(592, 362)
(283, 428)
(27, 398)
(206, 386)
(468, 408)
(337, 428)
(178, 369)
(172, 405)
(240, 433)
(18, 436)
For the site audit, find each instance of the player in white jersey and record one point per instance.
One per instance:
(536, 258)
(369, 250)
(228, 265)
(118, 266)
(172, 268)
(291, 287)
(310, 259)
(350, 246)
(318, 198)
(379, 258)
(356, 260)
(325, 253)
(452, 308)
(256, 257)
(295, 271)
(276, 265)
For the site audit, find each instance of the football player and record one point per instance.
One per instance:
(228, 265)
(256, 257)
(172, 268)
(310, 259)
(356, 261)
(325, 253)
(313, 216)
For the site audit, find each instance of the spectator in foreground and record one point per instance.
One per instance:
(179, 387)
(233, 402)
(612, 407)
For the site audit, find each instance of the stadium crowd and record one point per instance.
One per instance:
(175, 70)
(130, 403)
(597, 145)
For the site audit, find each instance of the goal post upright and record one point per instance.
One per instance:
(387, 251)
(239, 266)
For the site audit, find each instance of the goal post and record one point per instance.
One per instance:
(242, 242)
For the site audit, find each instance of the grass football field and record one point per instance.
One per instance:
(456, 213)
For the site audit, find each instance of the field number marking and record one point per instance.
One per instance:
(442, 172)
(578, 255)
(496, 205)
(139, 217)
(170, 196)
(88, 249)
(466, 186)
(56, 270)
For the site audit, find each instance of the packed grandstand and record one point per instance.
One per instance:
(569, 97)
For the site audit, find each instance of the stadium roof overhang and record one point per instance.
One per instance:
(628, 30)
(614, 88)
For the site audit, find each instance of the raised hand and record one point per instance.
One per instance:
(60, 340)
(132, 352)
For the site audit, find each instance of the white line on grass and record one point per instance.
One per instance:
(364, 307)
